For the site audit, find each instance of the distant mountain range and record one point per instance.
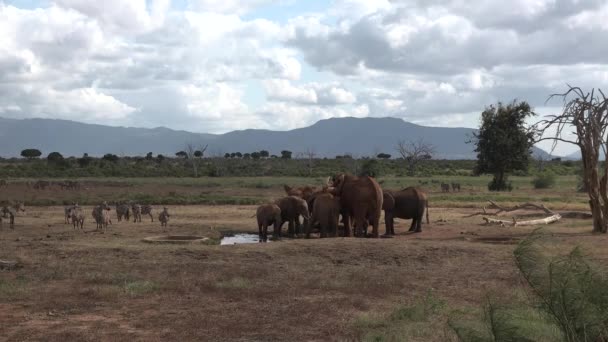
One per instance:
(328, 138)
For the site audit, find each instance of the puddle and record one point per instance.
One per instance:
(238, 239)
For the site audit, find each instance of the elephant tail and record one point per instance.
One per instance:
(426, 204)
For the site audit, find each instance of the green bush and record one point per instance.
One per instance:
(544, 180)
(569, 302)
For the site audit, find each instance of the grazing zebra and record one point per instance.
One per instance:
(445, 187)
(77, 216)
(163, 217)
(123, 210)
(136, 210)
(147, 210)
(456, 187)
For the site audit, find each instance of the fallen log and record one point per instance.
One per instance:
(8, 265)
(515, 223)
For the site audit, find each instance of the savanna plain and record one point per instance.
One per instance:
(88, 285)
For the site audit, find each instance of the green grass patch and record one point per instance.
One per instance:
(234, 283)
(407, 322)
(12, 289)
(140, 287)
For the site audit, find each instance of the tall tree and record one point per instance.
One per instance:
(31, 153)
(414, 152)
(587, 112)
(504, 141)
(285, 154)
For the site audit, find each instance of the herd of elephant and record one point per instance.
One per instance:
(359, 200)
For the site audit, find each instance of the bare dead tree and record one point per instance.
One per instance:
(587, 113)
(413, 152)
(194, 155)
(310, 155)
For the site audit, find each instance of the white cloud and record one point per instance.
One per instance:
(207, 67)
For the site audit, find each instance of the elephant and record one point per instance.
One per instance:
(409, 203)
(269, 214)
(360, 198)
(325, 211)
(291, 209)
(305, 192)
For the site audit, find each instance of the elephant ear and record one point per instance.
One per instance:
(337, 184)
(287, 189)
(388, 202)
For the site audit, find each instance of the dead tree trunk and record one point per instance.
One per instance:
(588, 114)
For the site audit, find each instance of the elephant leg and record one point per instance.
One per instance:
(290, 229)
(323, 232)
(418, 225)
(260, 235)
(346, 219)
(375, 222)
(388, 218)
(413, 226)
(308, 228)
(266, 232)
(277, 230)
(298, 225)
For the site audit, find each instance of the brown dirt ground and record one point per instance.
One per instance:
(90, 286)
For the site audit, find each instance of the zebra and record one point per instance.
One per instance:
(67, 212)
(147, 210)
(11, 211)
(136, 210)
(41, 185)
(455, 187)
(77, 216)
(445, 187)
(101, 214)
(163, 217)
(122, 210)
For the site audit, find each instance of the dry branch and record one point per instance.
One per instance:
(519, 207)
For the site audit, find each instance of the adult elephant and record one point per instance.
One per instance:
(409, 203)
(360, 198)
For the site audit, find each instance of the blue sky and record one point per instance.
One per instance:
(220, 65)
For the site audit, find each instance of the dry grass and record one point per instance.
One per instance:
(87, 285)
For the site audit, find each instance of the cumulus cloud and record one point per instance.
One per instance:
(214, 66)
(308, 94)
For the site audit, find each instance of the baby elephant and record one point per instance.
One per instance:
(292, 208)
(325, 211)
(269, 214)
(163, 217)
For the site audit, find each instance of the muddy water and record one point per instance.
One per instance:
(238, 239)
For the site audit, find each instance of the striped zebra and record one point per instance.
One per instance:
(67, 212)
(101, 214)
(123, 211)
(147, 210)
(41, 185)
(11, 211)
(136, 210)
(163, 217)
(77, 216)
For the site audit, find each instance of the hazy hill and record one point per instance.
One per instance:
(359, 137)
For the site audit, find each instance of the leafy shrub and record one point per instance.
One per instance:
(570, 299)
(544, 180)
